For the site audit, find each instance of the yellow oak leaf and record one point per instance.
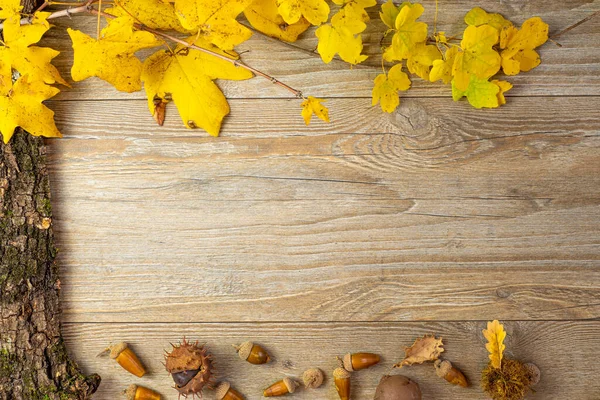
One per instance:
(427, 348)
(9, 8)
(312, 105)
(421, 59)
(387, 86)
(215, 19)
(265, 18)
(407, 32)
(519, 44)
(22, 106)
(18, 53)
(186, 76)
(478, 57)
(504, 87)
(154, 14)
(495, 335)
(338, 38)
(477, 17)
(480, 93)
(112, 57)
(315, 11)
(442, 69)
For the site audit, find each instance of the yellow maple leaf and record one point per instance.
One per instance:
(339, 37)
(519, 44)
(9, 8)
(111, 57)
(355, 10)
(477, 17)
(154, 14)
(387, 86)
(421, 59)
(315, 11)
(504, 87)
(388, 14)
(18, 53)
(186, 76)
(478, 57)
(480, 92)
(407, 32)
(265, 18)
(495, 335)
(215, 19)
(22, 106)
(442, 69)
(312, 105)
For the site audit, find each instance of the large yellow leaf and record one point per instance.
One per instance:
(422, 58)
(387, 86)
(311, 106)
(478, 57)
(186, 76)
(477, 17)
(215, 19)
(112, 57)
(442, 69)
(315, 11)
(495, 335)
(265, 18)
(154, 14)
(9, 8)
(407, 32)
(19, 54)
(480, 92)
(519, 44)
(23, 107)
(339, 37)
(355, 10)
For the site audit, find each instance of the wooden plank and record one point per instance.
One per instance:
(568, 70)
(564, 351)
(432, 213)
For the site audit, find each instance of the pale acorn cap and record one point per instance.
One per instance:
(290, 384)
(442, 367)
(244, 350)
(117, 349)
(130, 392)
(348, 362)
(341, 373)
(313, 378)
(222, 390)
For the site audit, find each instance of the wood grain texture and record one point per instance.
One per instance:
(567, 70)
(436, 212)
(568, 369)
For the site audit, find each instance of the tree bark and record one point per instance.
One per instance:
(34, 363)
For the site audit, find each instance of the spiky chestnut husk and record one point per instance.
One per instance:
(191, 368)
(509, 382)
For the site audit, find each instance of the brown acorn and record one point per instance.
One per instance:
(444, 369)
(252, 353)
(284, 386)
(135, 392)
(358, 361)
(225, 392)
(190, 366)
(126, 358)
(313, 378)
(341, 379)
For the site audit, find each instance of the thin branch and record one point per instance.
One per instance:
(575, 25)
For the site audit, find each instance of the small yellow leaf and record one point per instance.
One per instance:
(311, 106)
(215, 19)
(154, 14)
(504, 87)
(111, 58)
(519, 44)
(389, 12)
(186, 76)
(23, 107)
(442, 69)
(387, 86)
(480, 92)
(422, 58)
(9, 8)
(495, 335)
(478, 57)
(265, 18)
(407, 32)
(337, 38)
(477, 17)
(315, 11)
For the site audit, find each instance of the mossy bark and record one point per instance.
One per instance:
(34, 363)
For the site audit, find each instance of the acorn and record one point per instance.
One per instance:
(190, 366)
(358, 361)
(284, 386)
(341, 379)
(444, 369)
(126, 358)
(225, 392)
(313, 378)
(252, 353)
(135, 392)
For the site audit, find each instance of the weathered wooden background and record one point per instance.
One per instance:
(362, 234)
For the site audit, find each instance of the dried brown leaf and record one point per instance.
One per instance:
(427, 348)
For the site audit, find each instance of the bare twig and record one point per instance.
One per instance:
(575, 25)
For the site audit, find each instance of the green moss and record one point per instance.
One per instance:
(7, 361)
